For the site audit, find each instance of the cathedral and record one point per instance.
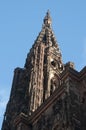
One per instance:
(46, 94)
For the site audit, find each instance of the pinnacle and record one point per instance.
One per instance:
(47, 19)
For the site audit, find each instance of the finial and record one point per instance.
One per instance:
(47, 19)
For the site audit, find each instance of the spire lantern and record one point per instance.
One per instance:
(47, 19)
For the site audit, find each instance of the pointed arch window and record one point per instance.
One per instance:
(54, 84)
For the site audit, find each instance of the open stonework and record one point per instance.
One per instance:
(46, 94)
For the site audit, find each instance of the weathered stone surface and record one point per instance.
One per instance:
(46, 94)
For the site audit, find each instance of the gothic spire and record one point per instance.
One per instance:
(46, 35)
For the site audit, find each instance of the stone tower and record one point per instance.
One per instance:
(44, 63)
(46, 94)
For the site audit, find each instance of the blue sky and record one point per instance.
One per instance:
(20, 23)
